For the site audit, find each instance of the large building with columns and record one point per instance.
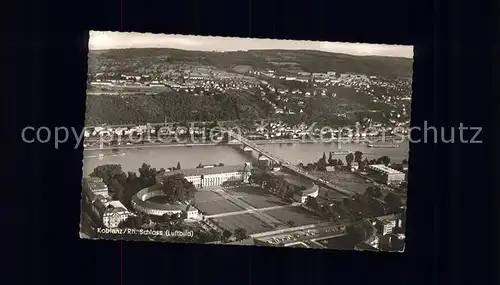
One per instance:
(213, 176)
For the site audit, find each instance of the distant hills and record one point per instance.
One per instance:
(305, 60)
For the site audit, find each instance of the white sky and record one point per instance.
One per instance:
(120, 40)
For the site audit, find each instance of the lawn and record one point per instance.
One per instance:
(257, 197)
(246, 221)
(298, 215)
(346, 180)
(212, 203)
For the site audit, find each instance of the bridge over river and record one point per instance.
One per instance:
(286, 164)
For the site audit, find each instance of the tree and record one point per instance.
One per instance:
(331, 161)
(356, 233)
(384, 160)
(178, 165)
(321, 164)
(177, 188)
(240, 234)
(361, 165)
(106, 172)
(405, 161)
(146, 219)
(369, 192)
(175, 219)
(349, 158)
(358, 155)
(312, 202)
(166, 218)
(393, 202)
(226, 235)
(147, 175)
(183, 215)
(377, 193)
(366, 163)
(288, 194)
(291, 223)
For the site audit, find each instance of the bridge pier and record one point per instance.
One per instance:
(226, 138)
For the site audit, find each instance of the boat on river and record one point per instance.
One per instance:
(341, 152)
(384, 145)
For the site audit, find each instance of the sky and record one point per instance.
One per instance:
(120, 40)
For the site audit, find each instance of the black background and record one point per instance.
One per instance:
(451, 237)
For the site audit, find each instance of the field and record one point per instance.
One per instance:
(212, 203)
(327, 194)
(298, 215)
(257, 197)
(346, 180)
(246, 221)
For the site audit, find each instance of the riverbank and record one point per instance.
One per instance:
(258, 142)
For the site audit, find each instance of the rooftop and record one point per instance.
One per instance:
(385, 169)
(138, 199)
(92, 179)
(309, 190)
(209, 171)
(391, 217)
(97, 185)
(116, 204)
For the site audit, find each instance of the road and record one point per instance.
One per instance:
(307, 236)
(249, 211)
(322, 231)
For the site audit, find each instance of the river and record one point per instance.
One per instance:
(190, 157)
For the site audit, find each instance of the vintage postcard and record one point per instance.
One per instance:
(243, 141)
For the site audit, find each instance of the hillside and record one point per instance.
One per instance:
(218, 98)
(176, 107)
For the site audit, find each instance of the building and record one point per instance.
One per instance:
(110, 212)
(141, 204)
(388, 175)
(385, 227)
(354, 166)
(115, 213)
(392, 242)
(214, 176)
(301, 195)
(330, 168)
(96, 186)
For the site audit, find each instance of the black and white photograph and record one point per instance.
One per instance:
(246, 141)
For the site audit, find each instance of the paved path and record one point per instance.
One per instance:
(199, 201)
(253, 210)
(272, 221)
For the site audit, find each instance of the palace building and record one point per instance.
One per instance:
(213, 176)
